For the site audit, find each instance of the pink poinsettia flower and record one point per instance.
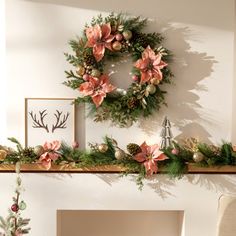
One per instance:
(99, 37)
(150, 65)
(97, 88)
(149, 157)
(50, 153)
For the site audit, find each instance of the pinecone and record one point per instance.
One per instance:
(89, 59)
(216, 150)
(28, 153)
(132, 103)
(133, 148)
(140, 39)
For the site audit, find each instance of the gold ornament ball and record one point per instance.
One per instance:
(38, 150)
(102, 148)
(3, 155)
(117, 46)
(198, 156)
(151, 88)
(127, 34)
(154, 81)
(80, 70)
(119, 154)
(95, 73)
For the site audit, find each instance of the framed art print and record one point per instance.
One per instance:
(48, 119)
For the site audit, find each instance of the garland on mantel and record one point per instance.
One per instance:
(143, 159)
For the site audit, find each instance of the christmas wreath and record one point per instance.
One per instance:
(110, 38)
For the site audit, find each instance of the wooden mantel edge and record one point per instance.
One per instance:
(36, 168)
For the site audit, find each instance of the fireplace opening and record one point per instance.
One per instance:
(119, 223)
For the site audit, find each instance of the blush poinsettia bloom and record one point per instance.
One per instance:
(149, 157)
(50, 153)
(150, 65)
(99, 37)
(97, 88)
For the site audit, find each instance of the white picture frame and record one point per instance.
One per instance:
(48, 119)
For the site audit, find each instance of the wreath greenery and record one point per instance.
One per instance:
(110, 38)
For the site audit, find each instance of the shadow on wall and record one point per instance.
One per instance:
(189, 67)
(153, 8)
(163, 184)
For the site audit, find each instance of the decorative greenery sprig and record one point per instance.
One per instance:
(14, 224)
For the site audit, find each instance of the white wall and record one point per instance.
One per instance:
(200, 33)
(200, 104)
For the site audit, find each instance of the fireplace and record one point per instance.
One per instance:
(119, 223)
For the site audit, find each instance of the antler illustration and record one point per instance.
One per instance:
(39, 123)
(60, 124)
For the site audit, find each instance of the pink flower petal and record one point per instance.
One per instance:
(53, 156)
(161, 157)
(150, 167)
(142, 64)
(86, 88)
(106, 30)
(140, 157)
(47, 146)
(56, 145)
(98, 51)
(98, 99)
(145, 77)
(148, 53)
(144, 147)
(93, 34)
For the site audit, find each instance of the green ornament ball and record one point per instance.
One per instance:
(95, 73)
(127, 34)
(22, 205)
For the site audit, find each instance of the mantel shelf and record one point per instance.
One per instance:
(36, 168)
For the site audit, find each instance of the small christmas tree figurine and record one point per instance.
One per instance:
(166, 134)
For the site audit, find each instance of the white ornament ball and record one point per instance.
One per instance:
(151, 88)
(38, 150)
(127, 34)
(198, 156)
(119, 154)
